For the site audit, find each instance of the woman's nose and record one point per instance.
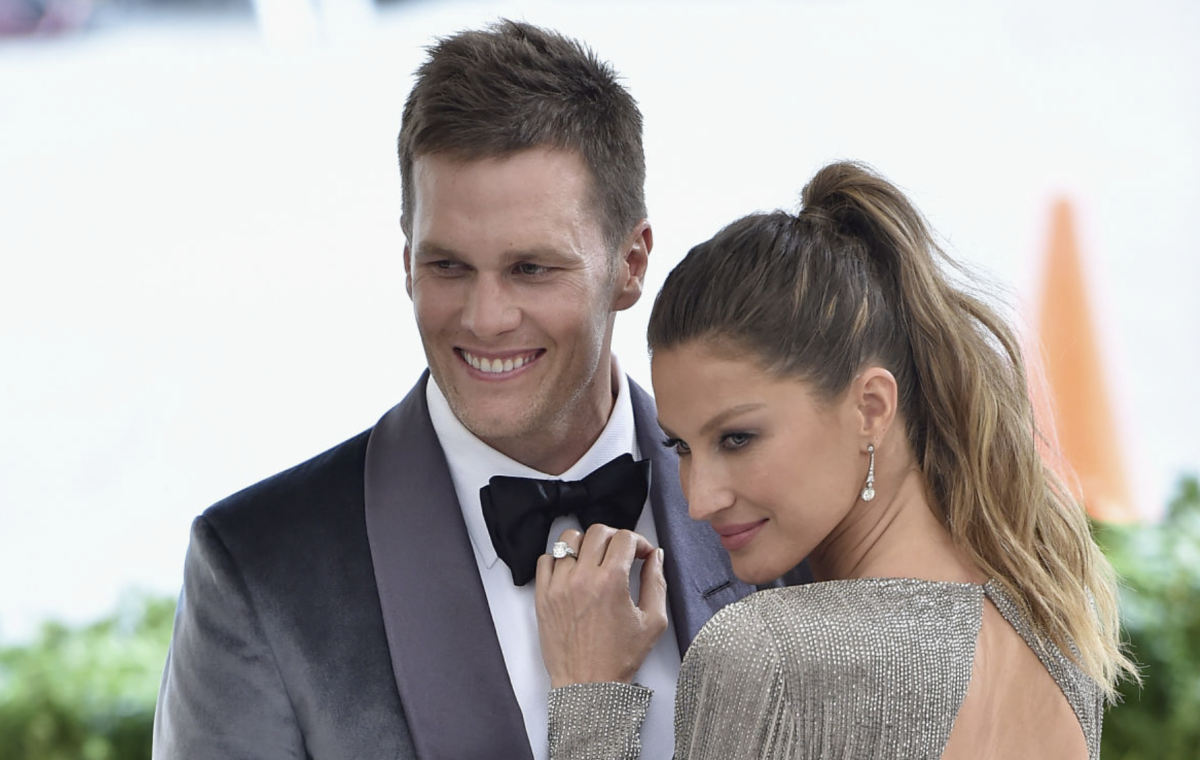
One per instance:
(705, 489)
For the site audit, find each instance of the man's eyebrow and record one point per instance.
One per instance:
(427, 250)
(434, 251)
(538, 253)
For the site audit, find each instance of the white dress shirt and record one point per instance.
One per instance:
(472, 463)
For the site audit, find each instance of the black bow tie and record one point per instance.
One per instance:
(519, 511)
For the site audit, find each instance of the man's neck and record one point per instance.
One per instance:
(556, 448)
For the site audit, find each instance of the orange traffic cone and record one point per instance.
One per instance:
(1082, 417)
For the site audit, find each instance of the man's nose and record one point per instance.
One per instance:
(705, 488)
(490, 308)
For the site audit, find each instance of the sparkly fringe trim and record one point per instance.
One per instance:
(597, 721)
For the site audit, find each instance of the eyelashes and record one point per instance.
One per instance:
(731, 442)
(679, 446)
(735, 441)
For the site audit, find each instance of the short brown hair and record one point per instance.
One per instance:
(513, 86)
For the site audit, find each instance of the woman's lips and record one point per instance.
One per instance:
(734, 537)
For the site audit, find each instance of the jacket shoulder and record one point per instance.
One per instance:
(336, 472)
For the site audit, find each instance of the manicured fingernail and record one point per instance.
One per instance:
(659, 552)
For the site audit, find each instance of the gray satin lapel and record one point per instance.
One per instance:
(700, 579)
(453, 683)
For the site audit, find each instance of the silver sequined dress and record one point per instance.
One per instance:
(867, 668)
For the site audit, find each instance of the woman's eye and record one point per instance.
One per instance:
(680, 447)
(735, 440)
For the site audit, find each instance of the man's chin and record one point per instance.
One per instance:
(495, 428)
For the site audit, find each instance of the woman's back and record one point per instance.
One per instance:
(1015, 708)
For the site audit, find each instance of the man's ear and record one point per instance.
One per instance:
(876, 398)
(407, 269)
(631, 269)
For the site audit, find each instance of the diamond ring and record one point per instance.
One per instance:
(562, 549)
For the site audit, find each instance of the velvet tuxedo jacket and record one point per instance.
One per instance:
(335, 610)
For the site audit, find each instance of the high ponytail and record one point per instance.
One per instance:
(856, 278)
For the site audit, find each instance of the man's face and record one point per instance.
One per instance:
(514, 291)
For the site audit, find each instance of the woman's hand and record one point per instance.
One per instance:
(589, 626)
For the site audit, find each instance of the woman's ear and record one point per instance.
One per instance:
(876, 397)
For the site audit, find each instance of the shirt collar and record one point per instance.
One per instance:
(473, 463)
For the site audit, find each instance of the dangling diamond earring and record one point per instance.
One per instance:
(868, 491)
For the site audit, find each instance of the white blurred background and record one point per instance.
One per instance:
(201, 280)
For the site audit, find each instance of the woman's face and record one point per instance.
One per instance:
(772, 469)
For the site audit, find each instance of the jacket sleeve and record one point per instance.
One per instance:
(222, 695)
(732, 700)
(597, 721)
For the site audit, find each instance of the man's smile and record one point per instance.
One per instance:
(498, 364)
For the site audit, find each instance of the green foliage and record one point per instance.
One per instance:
(86, 693)
(1160, 613)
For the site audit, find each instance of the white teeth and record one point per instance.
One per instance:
(492, 366)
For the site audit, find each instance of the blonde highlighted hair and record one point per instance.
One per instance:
(857, 278)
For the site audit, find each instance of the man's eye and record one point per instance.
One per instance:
(530, 270)
(446, 265)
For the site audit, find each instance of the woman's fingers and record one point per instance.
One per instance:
(572, 538)
(595, 544)
(623, 548)
(643, 548)
(604, 543)
(547, 564)
(589, 626)
(653, 598)
(545, 567)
